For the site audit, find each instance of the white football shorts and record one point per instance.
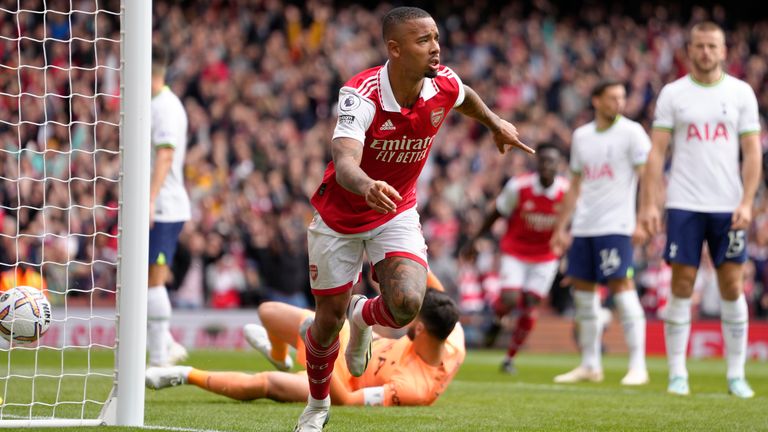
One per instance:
(336, 260)
(530, 277)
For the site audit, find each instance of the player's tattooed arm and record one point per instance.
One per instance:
(504, 133)
(403, 283)
(347, 154)
(474, 107)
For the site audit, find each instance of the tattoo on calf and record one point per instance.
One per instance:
(403, 283)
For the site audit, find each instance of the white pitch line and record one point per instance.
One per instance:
(148, 427)
(179, 429)
(593, 390)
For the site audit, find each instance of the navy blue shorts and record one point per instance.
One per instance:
(687, 231)
(600, 258)
(163, 238)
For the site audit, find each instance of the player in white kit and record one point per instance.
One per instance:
(607, 156)
(169, 209)
(708, 116)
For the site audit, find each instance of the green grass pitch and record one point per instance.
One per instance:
(479, 399)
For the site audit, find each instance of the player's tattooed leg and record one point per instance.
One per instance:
(403, 284)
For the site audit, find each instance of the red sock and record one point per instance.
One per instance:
(320, 365)
(522, 329)
(375, 311)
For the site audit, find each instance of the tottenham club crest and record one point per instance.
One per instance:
(437, 116)
(349, 102)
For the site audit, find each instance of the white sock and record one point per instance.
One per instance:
(590, 330)
(158, 325)
(169, 340)
(319, 403)
(357, 314)
(633, 322)
(185, 370)
(677, 328)
(735, 322)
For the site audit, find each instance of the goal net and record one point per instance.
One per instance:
(63, 177)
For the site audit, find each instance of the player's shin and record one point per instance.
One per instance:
(633, 323)
(320, 362)
(677, 328)
(590, 328)
(523, 327)
(158, 325)
(735, 316)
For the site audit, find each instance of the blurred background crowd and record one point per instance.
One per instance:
(259, 80)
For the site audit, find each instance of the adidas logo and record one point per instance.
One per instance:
(387, 125)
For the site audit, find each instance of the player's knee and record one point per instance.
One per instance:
(405, 311)
(683, 279)
(510, 298)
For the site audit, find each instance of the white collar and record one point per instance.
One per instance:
(388, 101)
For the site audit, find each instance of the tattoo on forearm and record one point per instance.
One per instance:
(474, 107)
(403, 283)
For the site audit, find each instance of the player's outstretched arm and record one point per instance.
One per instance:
(650, 182)
(504, 133)
(379, 195)
(751, 171)
(561, 240)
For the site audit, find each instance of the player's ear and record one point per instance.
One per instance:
(393, 48)
(418, 328)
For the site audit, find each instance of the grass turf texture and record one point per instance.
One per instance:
(479, 399)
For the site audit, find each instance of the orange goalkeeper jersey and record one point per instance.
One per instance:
(406, 378)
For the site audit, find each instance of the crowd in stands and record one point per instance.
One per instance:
(259, 80)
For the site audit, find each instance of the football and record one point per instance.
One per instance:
(25, 314)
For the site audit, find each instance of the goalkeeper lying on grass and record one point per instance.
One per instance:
(412, 370)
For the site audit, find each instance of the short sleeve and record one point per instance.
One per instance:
(400, 391)
(164, 132)
(575, 164)
(641, 146)
(749, 117)
(355, 115)
(460, 97)
(507, 199)
(664, 114)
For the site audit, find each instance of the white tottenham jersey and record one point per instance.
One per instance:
(606, 161)
(169, 128)
(706, 122)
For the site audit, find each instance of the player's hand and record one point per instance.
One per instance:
(742, 217)
(506, 138)
(560, 241)
(650, 220)
(381, 197)
(639, 236)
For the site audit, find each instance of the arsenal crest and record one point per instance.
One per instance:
(313, 271)
(437, 116)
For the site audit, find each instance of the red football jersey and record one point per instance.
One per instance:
(531, 215)
(396, 142)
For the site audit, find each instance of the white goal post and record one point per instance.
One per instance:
(66, 148)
